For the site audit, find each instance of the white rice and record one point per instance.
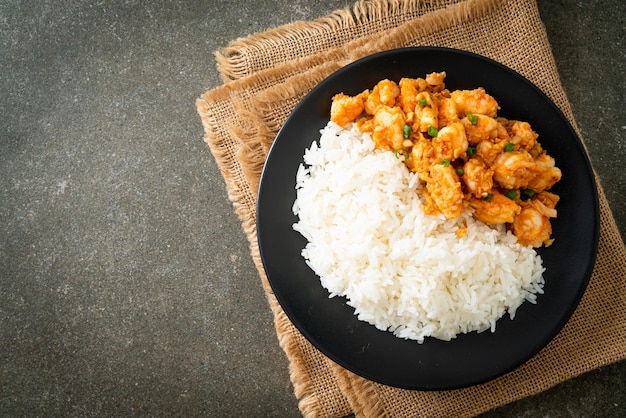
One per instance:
(402, 270)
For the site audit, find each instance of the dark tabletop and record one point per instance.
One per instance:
(126, 282)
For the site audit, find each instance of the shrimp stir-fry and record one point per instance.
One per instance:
(466, 155)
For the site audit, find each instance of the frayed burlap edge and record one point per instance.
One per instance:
(405, 34)
(245, 56)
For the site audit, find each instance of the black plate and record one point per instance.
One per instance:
(330, 324)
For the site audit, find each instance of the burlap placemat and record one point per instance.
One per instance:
(265, 76)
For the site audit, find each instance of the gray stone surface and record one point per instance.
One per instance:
(126, 285)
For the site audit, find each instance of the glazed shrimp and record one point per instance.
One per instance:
(514, 170)
(421, 158)
(489, 151)
(547, 174)
(497, 209)
(475, 101)
(365, 124)
(409, 90)
(448, 112)
(548, 199)
(477, 177)
(480, 128)
(383, 94)
(443, 192)
(450, 142)
(521, 133)
(344, 109)
(532, 225)
(502, 133)
(388, 128)
(426, 113)
(436, 80)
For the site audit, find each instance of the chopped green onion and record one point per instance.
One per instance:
(422, 102)
(471, 151)
(403, 151)
(432, 131)
(509, 147)
(488, 197)
(445, 162)
(406, 131)
(472, 118)
(527, 194)
(460, 171)
(511, 194)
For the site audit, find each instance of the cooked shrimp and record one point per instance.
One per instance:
(451, 142)
(549, 200)
(383, 94)
(421, 158)
(443, 191)
(521, 133)
(447, 111)
(514, 169)
(498, 209)
(547, 174)
(436, 80)
(480, 128)
(489, 151)
(502, 133)
(388, 128)
(365, 124)
(477, 177)
(409, 89)
(475, 101)
(426, 115)
(344, 109)
(532, 225)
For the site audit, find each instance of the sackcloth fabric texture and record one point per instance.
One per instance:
(266, 74)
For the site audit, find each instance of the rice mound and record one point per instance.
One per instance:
(400, 269)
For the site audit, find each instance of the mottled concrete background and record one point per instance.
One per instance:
(126, 285)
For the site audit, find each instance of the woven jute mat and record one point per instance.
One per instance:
(265, 75)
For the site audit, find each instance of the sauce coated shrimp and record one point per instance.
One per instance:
(388, 128)
(436, 80)
(345, 109)
(475, 101)
(497, 209)
(383, 94)
(532, 225)
(514, 170)
(547, 174)
(480, 128)
(450, 142)
(521, 133)
(409, 89)
(421, 158)
(426, 113)
(477, 177)
(489, 151)
(448, 112)
(444, 194)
